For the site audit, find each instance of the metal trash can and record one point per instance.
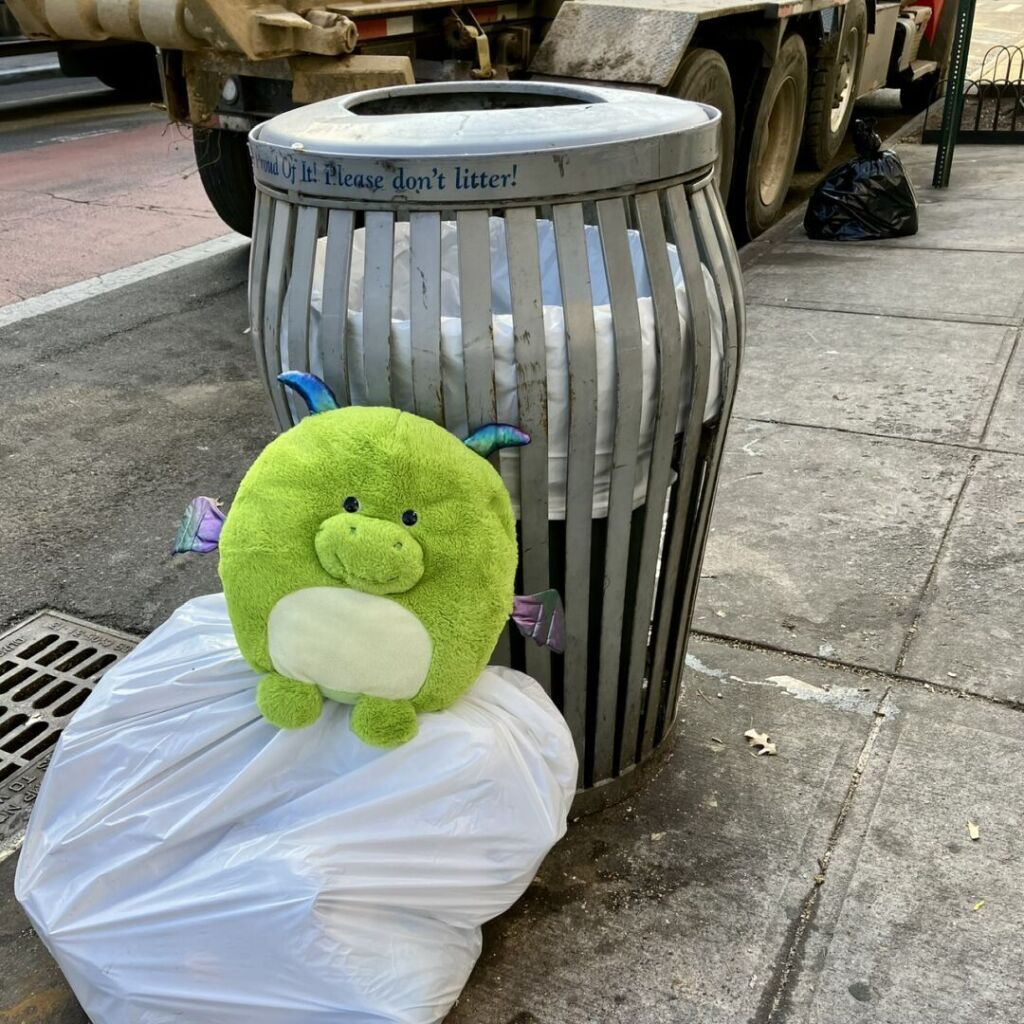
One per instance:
(554, 254)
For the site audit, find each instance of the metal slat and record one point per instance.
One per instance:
(720, 253)
(701, 494)
(278, 263)
(713, 257)
(666, 314)
(611, 216)
(730, 368)
(477, 324)
(580, 336)
(696, 370)
(474, 236)
(259, 255)
(531, 366)
(334, 315)
(300, 290)
(377, 282)
(502, 654)
(425, 313)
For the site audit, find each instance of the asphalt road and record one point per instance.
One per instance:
(58, 109)
(133, 403)
(90, 184)
(996, 23)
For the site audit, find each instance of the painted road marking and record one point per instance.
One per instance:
(30, 72)
(93, 286)
(85, 135)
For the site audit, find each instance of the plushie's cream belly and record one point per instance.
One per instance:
(349, 643)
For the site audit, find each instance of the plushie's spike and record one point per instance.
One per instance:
(541, 618)
(487, 440)
(315, 393)
(200, 527)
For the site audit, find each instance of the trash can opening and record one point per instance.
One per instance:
(400, 102)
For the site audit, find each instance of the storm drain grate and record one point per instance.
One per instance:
(48, 666)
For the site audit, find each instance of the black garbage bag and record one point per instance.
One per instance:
(868, 198)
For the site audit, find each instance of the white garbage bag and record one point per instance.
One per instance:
(187, 861)
(505, 378)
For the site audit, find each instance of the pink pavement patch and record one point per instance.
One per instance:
(73, 210)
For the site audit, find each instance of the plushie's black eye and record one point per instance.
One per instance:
(350, 504)
(409, 517)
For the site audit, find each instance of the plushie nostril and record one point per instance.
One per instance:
(398, 545)
(352, 531)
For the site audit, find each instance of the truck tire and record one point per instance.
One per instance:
(703, 76)
(140, 81)
(835, 78)
(769, 141)
(226, 172)
(8, 23)
(130, 68)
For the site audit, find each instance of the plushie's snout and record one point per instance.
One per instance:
(373, 555)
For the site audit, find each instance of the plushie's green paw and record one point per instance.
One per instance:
(384, 723)
(287, 703)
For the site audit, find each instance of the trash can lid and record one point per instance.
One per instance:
(470, 143)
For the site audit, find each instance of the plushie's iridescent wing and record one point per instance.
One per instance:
(541, 618)
(487, 440)
(314, 392)
(200, 527)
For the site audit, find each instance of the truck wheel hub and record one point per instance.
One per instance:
(845, 83)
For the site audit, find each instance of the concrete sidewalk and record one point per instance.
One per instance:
(862, 603)
(996, 23)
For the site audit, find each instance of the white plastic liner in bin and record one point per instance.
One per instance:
(504, 347)
(187, 861)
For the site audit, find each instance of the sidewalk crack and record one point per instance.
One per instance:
(866, 671)
(911, 633)
(1001, 386)
(959, 445)
(949, 317)
(106, 205)
(788, 968)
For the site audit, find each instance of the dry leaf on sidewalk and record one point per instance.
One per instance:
(973, 831)
(760, 742)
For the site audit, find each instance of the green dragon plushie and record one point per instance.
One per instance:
(369, 557)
